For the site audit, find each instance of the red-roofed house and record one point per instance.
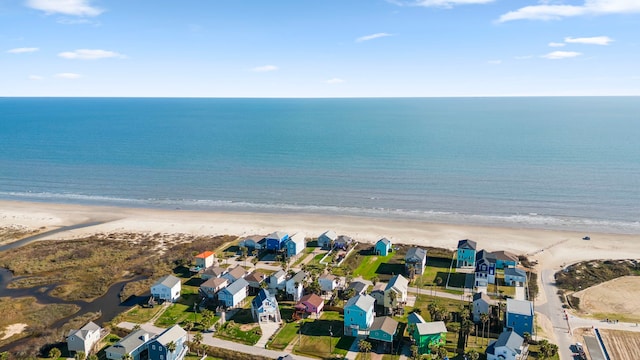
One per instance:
(310, 304)
(205, 259)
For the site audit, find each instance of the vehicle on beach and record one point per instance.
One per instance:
(586, 238)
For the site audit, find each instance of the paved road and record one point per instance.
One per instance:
(555, 312)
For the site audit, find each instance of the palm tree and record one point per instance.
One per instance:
(466, 327)
(92, 357)
(171, 346)
(364, 347)
(80, 355)
(197, 341)
(127, 356)
(473, 355)
(55, 353)
(207, 318)
(484, 318)
(414, 352)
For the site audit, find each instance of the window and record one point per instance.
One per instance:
(153, 347)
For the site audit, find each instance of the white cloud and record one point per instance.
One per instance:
(35, 77)
(556, 12)
(438, 3)
(372, 36)
(523, 57)
(88, 54)
(265, 68)
(70, 76)
(334, 81)
(556, 44)
(596, 40)
(22, 50)
(557, 55)
(67, 7)
(494, 62)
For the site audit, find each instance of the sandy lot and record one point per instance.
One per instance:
(621, 345)
(620, 296)
(13, 329)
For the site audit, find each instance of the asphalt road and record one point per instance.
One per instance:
(554, 311)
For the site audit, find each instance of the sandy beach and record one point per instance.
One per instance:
(551, 248)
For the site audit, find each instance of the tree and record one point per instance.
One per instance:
(314, 288)
(392, 300)
(547, 349)
(197, 341)
(55, 353)
(136, 327)
(374, 280)
(207, 318)
(171, 346)
(92, 357)
(526, 336)
(80, 355)
(127, 356)
(414, 352)
(466, 327)
(473, 355)
(442, 352)
(364, 347)
(484, 318)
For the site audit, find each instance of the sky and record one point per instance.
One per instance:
(319, 48)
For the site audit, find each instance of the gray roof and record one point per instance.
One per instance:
(483, 296)
(215, 271)
(85, 330)
(168, 281)
(237, 272)
(278, 274)
(435, 327)
(279, 235)
(298, 277)
(236, 286)
(364, 302)
(399, 283)
(415, 318)
(343, 239)
(214, 282)
(384, 241)
(467, 244)
(379, 286)
(330, 234)
(510, 339)
(505, 256)
(130, 342)
(486, 256)
(521, 307)
(171, 334)
(386, 324)
(415, 254)
(358, 286)
(327, 276)
(515, 272)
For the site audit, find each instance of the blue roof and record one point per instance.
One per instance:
(262, 296)
(236, 286)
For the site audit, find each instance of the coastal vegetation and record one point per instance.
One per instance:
(16, 232)
(586, 274)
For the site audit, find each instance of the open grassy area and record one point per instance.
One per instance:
(248, 333)
(369, 264)
(139, 314)
(180, 312)
(28, 311)
(16, 232)
(315, 340)
(85, 268)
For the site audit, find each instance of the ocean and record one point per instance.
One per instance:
(560, 163)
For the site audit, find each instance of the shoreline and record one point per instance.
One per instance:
(552, 248)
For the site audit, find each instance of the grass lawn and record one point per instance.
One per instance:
(534, 355)
(369, 264)
(180, 312)
(286, 334)
(139, 315)
(315, 340)
(248, 334)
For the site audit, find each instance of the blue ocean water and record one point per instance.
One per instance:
(568, 163)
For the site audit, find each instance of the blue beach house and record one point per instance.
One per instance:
(519, 316)
(358, 314)
(161, 347)
(275, 241)
(295, 244)
(505, 259)
(514, 276)
(466, 253)
(326, 239)
(383, 247)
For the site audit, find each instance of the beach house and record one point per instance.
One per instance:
(378, 293)
(509, 346)
(485, 271)
(84, 339)
(343, 242)
(519, 317)
(395, 294)
(481, 305)
(171, 344)
(429, 333)
(134, 344)
(505, 259)
(213, 271)
(328, 282)
(358, 314)
(205, 259)
(252, 242)
(234, 294)
(295, 285)
(275, 241)
(167, 288)
(255, 280)
(295, 245)
(264, 307)
(359, 287)
(236, 273)
(326, 239)
(383, 247)
(515, 276)
(310, 304)
(278, 280)
(384, 329)
(412, 319)
(466, 254)
(211, 287)
(414, 261)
